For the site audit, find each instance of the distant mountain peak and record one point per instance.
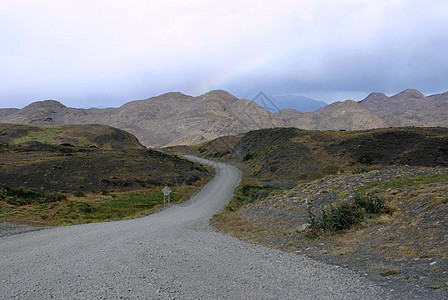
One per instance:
(412, 92)
(47, 103)
(219, 94)
(409, 108)
(376, 94)
(298, 102)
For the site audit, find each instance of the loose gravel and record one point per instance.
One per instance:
(172, 254)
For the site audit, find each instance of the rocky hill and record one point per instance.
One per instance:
(172, 118)
(178, 119)
(347, 115)
(409, 108)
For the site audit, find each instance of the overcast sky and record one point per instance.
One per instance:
(88, 53)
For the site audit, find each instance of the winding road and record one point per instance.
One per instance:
(172, 254)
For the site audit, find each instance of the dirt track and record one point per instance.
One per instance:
(174, 253)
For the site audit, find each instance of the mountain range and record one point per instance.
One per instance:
(175, 118)
(280, 102)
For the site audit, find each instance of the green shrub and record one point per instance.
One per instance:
(365, 159)
(78, 194)
(331, 170)
(340, 217)
(54, 198)
(345, 215)
(315, 176)
(248, 156)
(220, 154)
(362, 169)
(372, 204)
(23, 197)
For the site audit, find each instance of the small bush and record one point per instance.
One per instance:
(345, 215)
(220, 154)
(371, 203)
(248, 156)
(315, 176)
(365, 159)
(341, 217)
(21, 193)
(331, 170)
(23, 197)
(78, 194)
(55, 198)
(362, 169)
(152, 182)
(302, 177)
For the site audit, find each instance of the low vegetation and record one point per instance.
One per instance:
(245, 194)
(405, 182)
(59, 175)
(346, 215)
(29, 207)
(387, 223)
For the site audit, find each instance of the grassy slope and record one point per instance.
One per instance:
(44, 168)
(100, 136)
(289, 154)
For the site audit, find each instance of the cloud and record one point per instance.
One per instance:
(113, 51)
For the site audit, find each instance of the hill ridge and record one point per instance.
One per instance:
(175, 118)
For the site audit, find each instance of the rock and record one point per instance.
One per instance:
(303, 227)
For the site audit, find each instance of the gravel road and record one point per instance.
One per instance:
(171, 254)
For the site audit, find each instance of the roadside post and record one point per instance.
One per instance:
(166, 192)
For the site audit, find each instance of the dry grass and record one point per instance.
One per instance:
(96, 207)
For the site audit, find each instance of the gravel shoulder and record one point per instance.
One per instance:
(172, 254)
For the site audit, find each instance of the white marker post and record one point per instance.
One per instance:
(166, 192)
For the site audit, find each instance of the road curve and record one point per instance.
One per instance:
(171, 254)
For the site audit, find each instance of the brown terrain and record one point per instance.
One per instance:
(409, 108)
(288, 155)
(178, 119)
(402, 247)
(65, 174)
(172, 118)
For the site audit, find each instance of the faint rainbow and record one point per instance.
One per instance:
(258, 61)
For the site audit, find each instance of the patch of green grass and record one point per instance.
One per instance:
(437, 286)
(343, 193)
(331, 170)
(78, 194)
(255, 175)
(116, 207)
(361, 169)
(5, 210)
(46, 135)
(445, 199)
(247, 194)
(23, 197)
(405, 182)
(315, 176)
(389, 273)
